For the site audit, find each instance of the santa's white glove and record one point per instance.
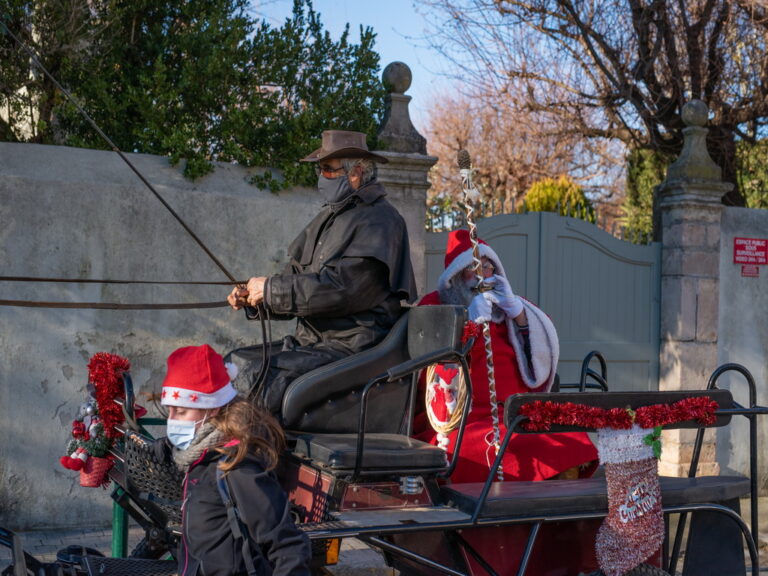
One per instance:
(503, 297)
(480, 309)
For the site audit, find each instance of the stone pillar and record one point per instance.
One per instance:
(406, 175)
(690, 205)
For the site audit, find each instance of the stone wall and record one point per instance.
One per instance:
(73, 213)
(710, 314)
(743, 338)
(83, 214)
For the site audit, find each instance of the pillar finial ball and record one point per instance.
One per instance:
(397, 77)
(695, 113)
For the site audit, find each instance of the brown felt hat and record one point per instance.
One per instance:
(343, 144)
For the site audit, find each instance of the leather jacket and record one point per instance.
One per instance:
(349, 270)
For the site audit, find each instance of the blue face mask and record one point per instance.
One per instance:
(182, 432)
(333, 190)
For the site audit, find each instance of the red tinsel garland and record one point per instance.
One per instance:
(542, 415)
(105, 373)
(471, 330)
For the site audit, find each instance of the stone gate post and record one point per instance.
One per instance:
(690, 205)
(406, 175)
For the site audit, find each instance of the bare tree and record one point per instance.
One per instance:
(512, 147)
(619, 69)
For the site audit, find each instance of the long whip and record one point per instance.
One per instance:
(470, 194)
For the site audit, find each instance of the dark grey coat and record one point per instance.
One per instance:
(348, 271)
(208, 547)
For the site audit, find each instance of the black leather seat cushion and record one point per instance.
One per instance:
(382, 451)
(549, 497)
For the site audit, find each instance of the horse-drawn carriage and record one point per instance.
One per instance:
(352, 469)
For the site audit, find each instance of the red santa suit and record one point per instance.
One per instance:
(528, 456)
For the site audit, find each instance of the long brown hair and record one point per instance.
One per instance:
(256, 429)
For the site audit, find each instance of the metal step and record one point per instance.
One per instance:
(98, 566)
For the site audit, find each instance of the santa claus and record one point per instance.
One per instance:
(525, 352)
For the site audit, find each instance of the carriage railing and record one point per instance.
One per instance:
(514, 421)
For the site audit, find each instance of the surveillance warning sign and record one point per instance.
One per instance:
(750, 253)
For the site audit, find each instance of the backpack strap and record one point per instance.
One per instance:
(239, 529)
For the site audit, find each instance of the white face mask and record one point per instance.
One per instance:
(181, 432)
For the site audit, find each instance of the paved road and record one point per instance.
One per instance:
(356, 559)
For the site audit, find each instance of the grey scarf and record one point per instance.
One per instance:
(207, 436)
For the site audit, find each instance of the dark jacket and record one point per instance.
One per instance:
(207, 545)
(349, 269)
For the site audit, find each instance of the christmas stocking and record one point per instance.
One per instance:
(634, 527)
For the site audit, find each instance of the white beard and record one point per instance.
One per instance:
(458, 293)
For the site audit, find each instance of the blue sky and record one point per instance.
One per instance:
(400, 34)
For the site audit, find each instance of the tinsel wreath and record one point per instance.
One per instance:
(105, 372)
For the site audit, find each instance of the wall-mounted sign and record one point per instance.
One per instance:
(750, 270)
(752, 251)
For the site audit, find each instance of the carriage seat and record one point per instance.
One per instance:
(714, 546)
(324, 413)
(327, 399)
(580, 496)
(586, 495)
(338, 452)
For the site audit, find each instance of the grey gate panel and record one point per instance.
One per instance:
(602, 293)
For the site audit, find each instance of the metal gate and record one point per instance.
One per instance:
(601, 293)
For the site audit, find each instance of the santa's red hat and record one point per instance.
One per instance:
(458, 255)
(197, 378)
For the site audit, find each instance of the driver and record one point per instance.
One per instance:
(348, 270)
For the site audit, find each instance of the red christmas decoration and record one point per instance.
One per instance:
(94, 430)
(471, 330)
(105, 372)
(542, 415)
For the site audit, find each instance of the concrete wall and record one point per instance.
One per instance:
(75, 213)
(743, 336)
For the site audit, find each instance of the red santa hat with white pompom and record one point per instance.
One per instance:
(458, 255)
(198, 378)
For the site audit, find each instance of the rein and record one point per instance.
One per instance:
(251, 314)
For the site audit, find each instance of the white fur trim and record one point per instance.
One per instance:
(619, 446)
(465, 259)
(191, 399)
(232, 370)
(545, 348)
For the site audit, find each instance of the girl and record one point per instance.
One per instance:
(211, 428)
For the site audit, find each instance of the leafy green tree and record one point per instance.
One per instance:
(199, 80)
(560, 195)
(646, 169)
(752, 172)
